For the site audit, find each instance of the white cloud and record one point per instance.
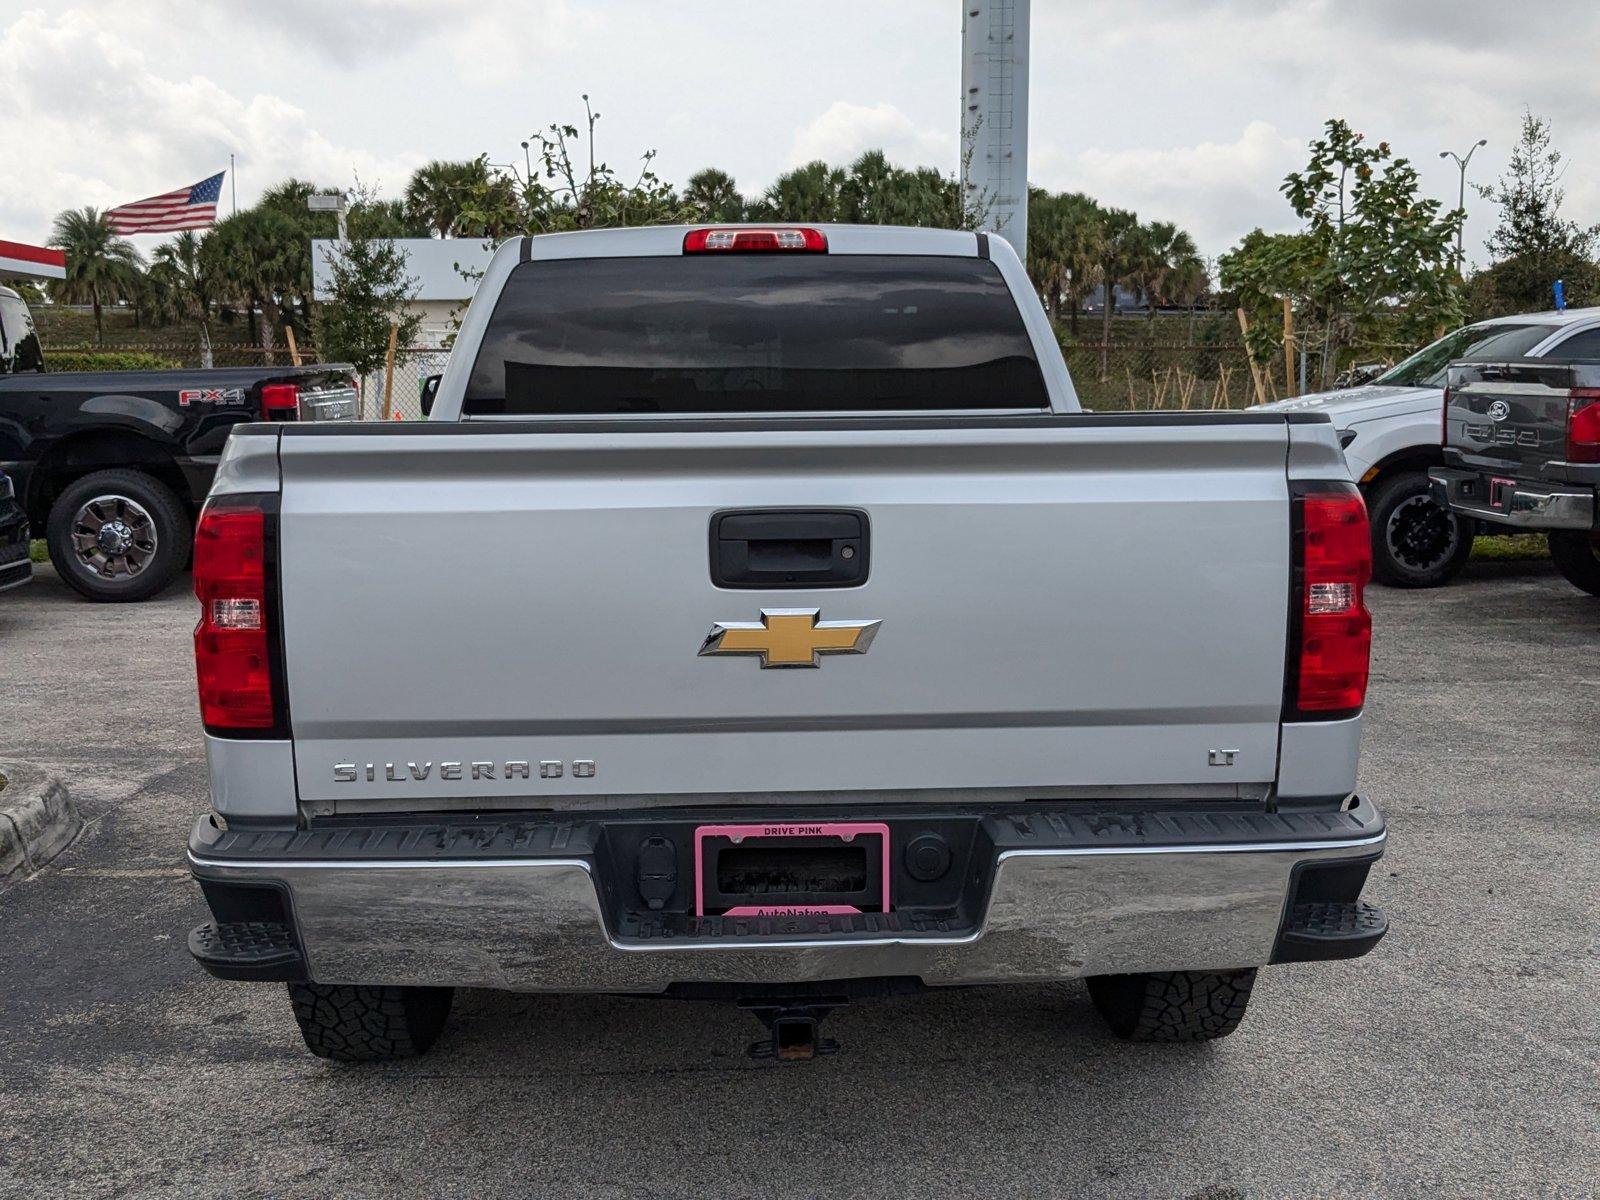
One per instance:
(1216, 190)
(90, 120)
(1188, 110)
(844, 130)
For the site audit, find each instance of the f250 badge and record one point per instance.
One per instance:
(790, 637)
(223, 396)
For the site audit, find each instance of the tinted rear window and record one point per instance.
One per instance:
(1429, 367)
(754, 333)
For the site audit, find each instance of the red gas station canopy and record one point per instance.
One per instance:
(18, 260)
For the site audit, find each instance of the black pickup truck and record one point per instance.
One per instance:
(113, 465)
(1522, 448)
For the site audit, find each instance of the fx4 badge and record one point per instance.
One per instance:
(226, 396)
(790, 637)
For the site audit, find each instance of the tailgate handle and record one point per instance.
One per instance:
(792, 548)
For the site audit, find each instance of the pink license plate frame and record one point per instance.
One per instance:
(845, 831)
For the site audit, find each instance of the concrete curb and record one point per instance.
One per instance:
(37, 820)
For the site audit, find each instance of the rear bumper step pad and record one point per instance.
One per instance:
(1316, 931)
(258, 950)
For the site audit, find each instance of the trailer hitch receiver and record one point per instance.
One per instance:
(793, 1028)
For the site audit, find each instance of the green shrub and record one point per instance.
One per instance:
(106, 360)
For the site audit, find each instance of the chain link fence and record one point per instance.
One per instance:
(1156, 375)
(1108, 377)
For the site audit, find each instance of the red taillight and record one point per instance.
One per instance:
(740, 240)
(232, 655)
(1334, 627)
(1583, 425)
(280, 400)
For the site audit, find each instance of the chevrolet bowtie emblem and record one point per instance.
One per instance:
(790, 637)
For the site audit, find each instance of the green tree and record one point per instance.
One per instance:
(439, 193)
(712, 195)
(1165, 256)
(1372, 259)
(1188, 285)
(808, 193)
(182, 275)
(31, 290)
(1118, 254)
(876, 192)
(369, 291)
(1533, 245)
(260, 260)
(1072, 225)
(102, 267)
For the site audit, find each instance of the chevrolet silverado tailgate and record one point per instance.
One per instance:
(517, 612)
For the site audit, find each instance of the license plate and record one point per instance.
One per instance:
(801, 868)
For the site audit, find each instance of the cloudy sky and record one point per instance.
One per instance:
(1185, 110)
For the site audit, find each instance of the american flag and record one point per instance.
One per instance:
(187, 208)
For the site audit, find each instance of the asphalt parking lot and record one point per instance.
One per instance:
(1461, 1058)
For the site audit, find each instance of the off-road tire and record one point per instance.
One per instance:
(1173, 1006)
(173, 530)
(1429, 557)
(1577, 556)
(369, 1024)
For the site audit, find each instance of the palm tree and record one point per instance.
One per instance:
(1047, 267)
(1064, 253)
(101, 265)
(1188, 284)
(1165, 250)
(873, 193)
(714, 196)
(1117, 253)
(182, 276)
(439, 191)
(808, 193)
(259, 259)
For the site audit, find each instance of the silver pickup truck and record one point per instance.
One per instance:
(759, 616)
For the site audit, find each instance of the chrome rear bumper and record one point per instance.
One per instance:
(1518, 503)
(539, 921)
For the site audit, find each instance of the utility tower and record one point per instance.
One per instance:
(994, 116)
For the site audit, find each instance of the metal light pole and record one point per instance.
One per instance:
(334, 204)
(1462, 202)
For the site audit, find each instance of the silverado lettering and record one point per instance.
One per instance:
(582, 768)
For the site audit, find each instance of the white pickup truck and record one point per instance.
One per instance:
(758, 616)
(1392, 431)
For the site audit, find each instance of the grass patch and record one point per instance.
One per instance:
(1511, 547)
(37, 551)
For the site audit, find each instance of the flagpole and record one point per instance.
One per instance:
(233, 186)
